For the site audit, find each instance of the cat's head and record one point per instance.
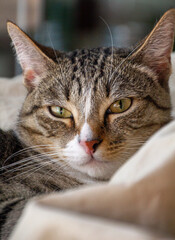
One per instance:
(92, 109)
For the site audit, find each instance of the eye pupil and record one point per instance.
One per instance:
(120, 106)
(60, 112)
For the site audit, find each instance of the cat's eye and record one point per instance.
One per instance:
(60, 112)
(120, 106)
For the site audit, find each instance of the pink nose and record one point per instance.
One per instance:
(90, 146)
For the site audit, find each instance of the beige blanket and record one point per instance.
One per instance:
(138, 203)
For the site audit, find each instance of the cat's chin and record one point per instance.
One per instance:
(96, 169)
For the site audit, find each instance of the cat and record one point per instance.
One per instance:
(85, 114)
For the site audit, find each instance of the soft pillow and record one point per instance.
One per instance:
(12, 94)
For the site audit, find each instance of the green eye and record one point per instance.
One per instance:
(60, 112)
(120, 106)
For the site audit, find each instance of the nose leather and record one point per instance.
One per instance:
(90, 146)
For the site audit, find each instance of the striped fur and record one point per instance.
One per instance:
(43, 153)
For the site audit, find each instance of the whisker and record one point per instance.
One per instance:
(22, 167)
(56, 56)
(36, 168)
(14, 164)
(33, 158)
(116, 69)
(54, 172)
(22, 151)
(112, 42)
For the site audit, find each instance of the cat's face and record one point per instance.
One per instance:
(92, 109)
(88, 91)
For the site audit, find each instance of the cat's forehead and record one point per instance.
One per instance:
(95, 74)
(87, 66)
(102, 70)
(95, 58)
(85, 70)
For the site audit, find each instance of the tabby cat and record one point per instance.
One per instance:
(85, 114)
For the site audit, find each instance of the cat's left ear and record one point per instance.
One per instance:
(34, 62)
(155, 52)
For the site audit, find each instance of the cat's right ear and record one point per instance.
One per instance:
(35, 64)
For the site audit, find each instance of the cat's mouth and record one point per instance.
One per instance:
(92, 161)
(95, 167)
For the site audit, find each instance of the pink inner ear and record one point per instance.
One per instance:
(30, 75)
(30, 79)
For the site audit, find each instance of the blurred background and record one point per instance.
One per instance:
(71, 24)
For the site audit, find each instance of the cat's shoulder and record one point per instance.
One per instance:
(9, 143)
(6, 136)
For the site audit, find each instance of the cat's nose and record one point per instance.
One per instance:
(90, 146)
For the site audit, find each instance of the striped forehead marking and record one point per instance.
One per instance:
(88, 104)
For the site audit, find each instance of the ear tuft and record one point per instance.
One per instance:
(155, 51)
(33, 61)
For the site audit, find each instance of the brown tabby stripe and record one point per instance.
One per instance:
(130, 125)
(67, 92)
(32, 130)
(13, 212)
(33, 110)
(98, 57)
(9, 205)
(150, 99)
